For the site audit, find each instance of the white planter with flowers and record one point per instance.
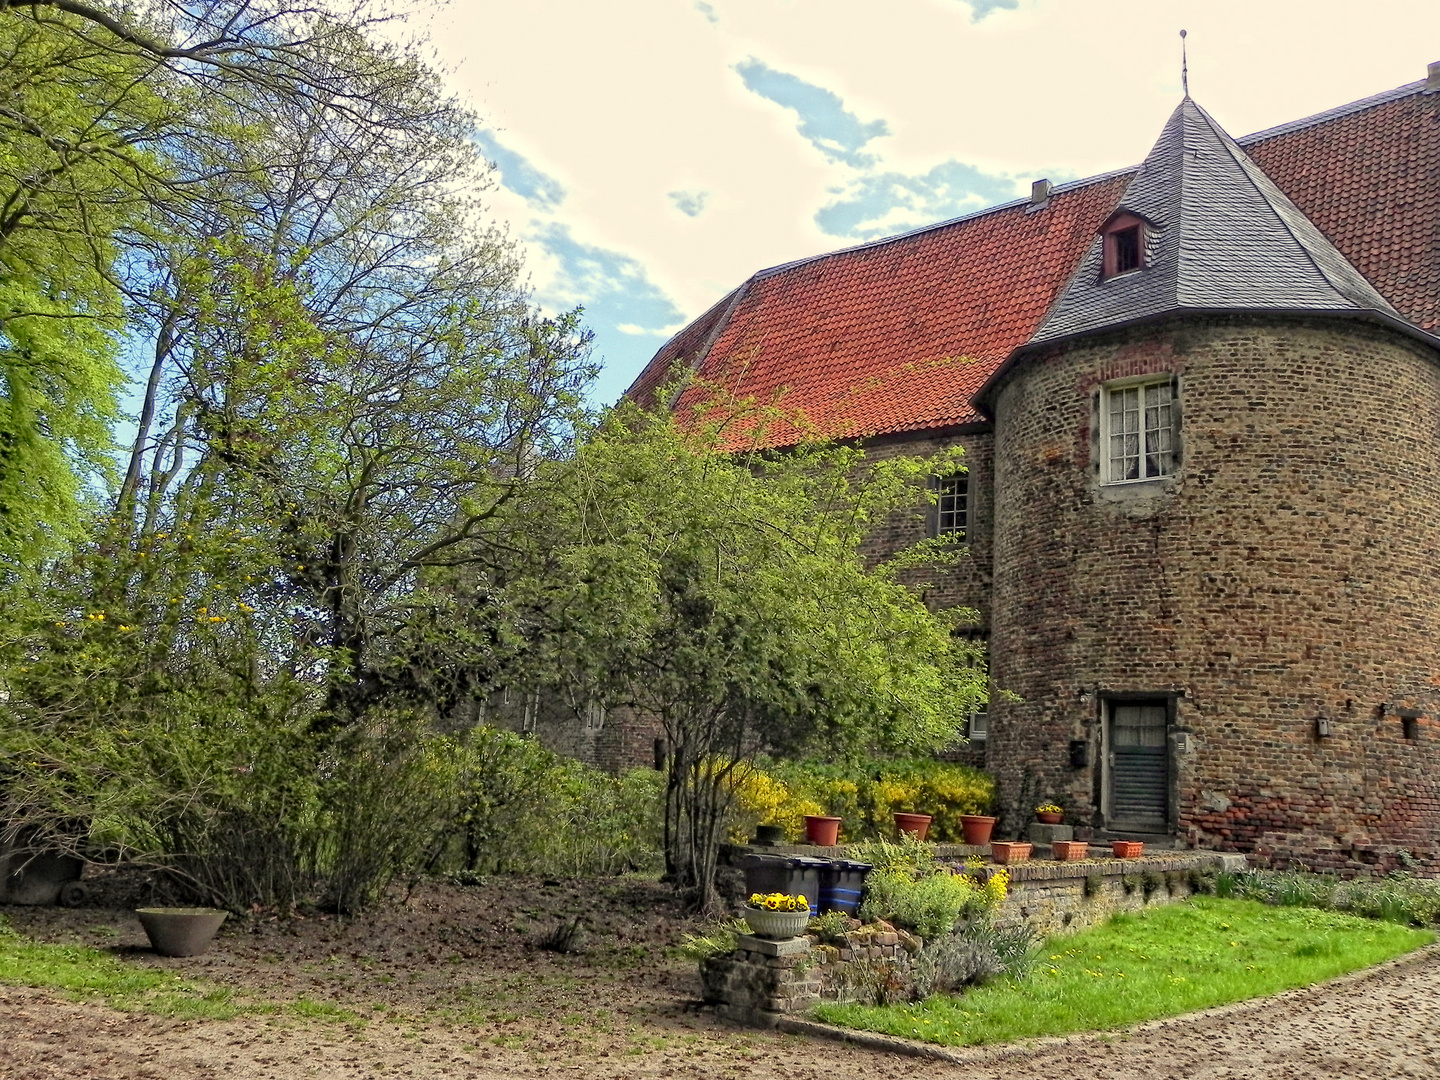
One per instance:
(777, 915)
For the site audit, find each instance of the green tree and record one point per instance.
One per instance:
(727, 596)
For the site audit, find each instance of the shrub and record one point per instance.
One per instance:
(930, 904)
(526, 809)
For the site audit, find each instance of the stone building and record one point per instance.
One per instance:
(1200, 404)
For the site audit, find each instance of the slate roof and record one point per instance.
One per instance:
(899, 335)
(1220, 237)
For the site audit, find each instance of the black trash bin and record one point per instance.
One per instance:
(841, 883)
(794, 875)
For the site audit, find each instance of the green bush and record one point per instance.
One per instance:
(528, 810)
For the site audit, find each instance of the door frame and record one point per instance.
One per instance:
(1107, 699)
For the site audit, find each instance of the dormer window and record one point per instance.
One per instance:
(1124, 244)
(1127, 248)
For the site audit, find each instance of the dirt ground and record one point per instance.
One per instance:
(450, 983)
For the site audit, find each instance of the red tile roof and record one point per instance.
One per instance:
(898, 335)
(1370, 180)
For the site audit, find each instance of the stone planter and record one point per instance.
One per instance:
(1069, 850)
(1127, 849)
(977, 829)
(822, 831)
(1005, 852)
(776, 925)
(181, 931)
(915, 824)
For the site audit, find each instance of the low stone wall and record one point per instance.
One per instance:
(1056, 897)
(762, 979)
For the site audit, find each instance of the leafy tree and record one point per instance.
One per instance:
(726, 595)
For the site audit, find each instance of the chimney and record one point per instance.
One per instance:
(1432, 77)
(1040, 189)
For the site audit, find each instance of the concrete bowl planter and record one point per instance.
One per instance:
(776, 925)
(1069, 850)
(1127, 849)
(181, 931)
(1013, 851)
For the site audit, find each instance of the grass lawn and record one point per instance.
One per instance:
(1161, 962)
(83, 972)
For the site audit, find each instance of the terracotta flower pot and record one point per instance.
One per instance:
(915, 824)
(1005, 852)
(1127, 849)
(822, 831)
(1069, 850)
(1051, 818)
(977, 828)
(181, 931)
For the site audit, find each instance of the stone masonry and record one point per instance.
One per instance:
(1278, 590)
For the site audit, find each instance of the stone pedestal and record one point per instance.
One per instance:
(1040, 833)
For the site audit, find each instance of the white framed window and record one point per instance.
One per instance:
(952, 506)
(1137, 430)
(979, 726)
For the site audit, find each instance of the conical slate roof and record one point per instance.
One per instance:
(1220, 236)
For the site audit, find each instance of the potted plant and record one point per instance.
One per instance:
(1069, 850)
(1127, 849)
(1010, 851)
(822, 831)
(1049, 813)
(977, 828)
(776, 915)
(915, 824)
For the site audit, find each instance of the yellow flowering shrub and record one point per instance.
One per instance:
(864, 795)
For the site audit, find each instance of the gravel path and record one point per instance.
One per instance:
(1379, 1024)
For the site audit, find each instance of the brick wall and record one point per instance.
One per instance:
(968, 583)
(1285, 574)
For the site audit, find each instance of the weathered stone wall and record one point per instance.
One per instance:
(762, 979)
(1284, 575)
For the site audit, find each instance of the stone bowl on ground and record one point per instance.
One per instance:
(181, 931)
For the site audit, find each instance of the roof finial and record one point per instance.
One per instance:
(1184, 66)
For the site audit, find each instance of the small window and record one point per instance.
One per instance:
(1137, 431)
(952, 506)
(979, 726)
(1127, 249)
(1124, 249)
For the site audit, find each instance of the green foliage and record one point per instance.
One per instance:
(1399, 897)
(717, 939)
(528, 810)
(1168, 960)
(90, 974)
(75, 132)
(931, 904)
(865, 793)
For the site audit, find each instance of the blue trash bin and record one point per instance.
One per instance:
(842, 882)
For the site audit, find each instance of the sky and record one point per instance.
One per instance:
(653, 154)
